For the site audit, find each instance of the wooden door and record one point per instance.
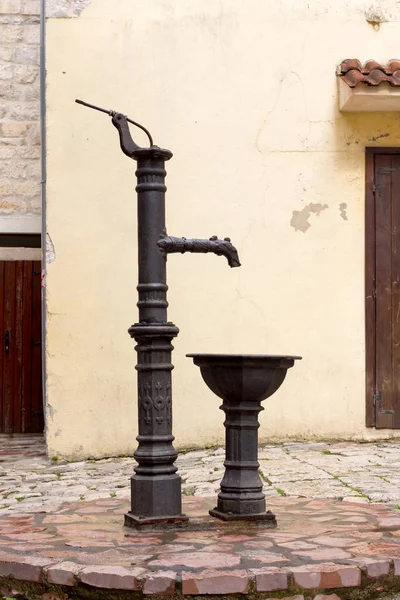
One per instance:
(383, 288)
(21, 408)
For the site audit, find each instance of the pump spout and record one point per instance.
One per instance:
(170, 245)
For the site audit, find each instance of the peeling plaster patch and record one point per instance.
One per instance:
(49, 411)
(374, 15)
(300, 218)
(378, 137)
(62, 9)
(343, 211)
(50, 252)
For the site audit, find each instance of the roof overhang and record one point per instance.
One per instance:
(365, 98)
(369, 87)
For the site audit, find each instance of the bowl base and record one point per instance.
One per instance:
(267, 516)
(135, 522)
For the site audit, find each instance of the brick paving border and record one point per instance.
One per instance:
(323, 581)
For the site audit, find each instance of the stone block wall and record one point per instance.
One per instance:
(19, 108)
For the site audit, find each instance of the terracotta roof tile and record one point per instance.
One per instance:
(353, 72)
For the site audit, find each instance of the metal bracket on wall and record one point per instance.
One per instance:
(377, 399)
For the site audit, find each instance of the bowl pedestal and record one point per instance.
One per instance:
(242, 381)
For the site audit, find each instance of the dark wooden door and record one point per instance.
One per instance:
(21, 407)
(383, 288)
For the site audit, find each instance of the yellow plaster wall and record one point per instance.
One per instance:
(245, 95)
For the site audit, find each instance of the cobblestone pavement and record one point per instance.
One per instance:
(359, 472)
(61, 526)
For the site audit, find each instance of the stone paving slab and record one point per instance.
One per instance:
(320, 547)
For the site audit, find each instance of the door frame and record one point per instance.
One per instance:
(370, 268)
(20, 240)
(17, 243)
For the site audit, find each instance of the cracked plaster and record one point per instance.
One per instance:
(248, 150)
(374, 15)
(61, 9)
(50, 252)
